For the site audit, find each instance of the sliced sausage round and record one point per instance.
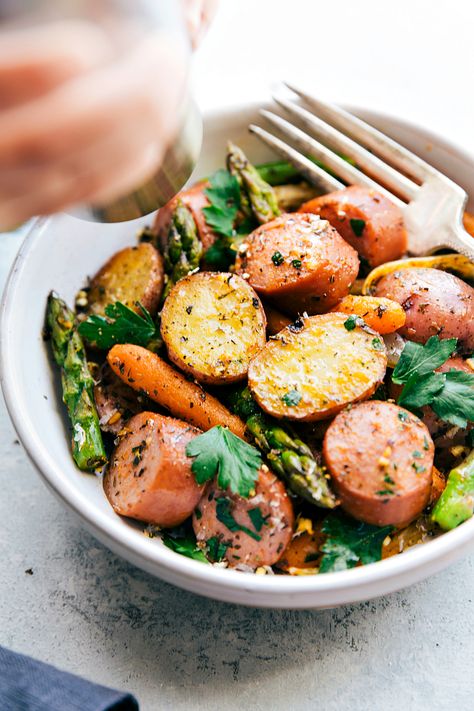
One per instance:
(366, 219)
(254, 531)
(115, 401)
(380, 459)
(435, 303)
(194, 198)
(149, 476)
(298, 262)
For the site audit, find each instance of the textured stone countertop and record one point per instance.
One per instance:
(67, 600)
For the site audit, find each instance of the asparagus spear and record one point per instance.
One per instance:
(77, 384)
(256, 196)
(287, 455)
(456, 503)
(183, 249)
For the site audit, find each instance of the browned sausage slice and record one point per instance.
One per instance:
(195, 200)
(435, 303)
(380, 458)
(149, 476)
(115, 401)
(366, 219)
(299, 262)
(260, 527)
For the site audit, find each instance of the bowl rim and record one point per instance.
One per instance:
(138, 548)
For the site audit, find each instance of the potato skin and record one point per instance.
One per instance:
(435, 303)
(380, 458)
(298, 262)
(149, 477)
(194, 199)
(131, 275)
(213, 323)
(322, 363)
(275, 534)
(383, 315)
(383, 236)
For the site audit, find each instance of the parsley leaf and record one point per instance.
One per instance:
(216, 549)
(417, 359)
(358, 226)
(350, 542)
(220, 255)
(224, 197)
(119, 325)
(419, 391)
(184, 545)
(259, 521)
(455, 402)
(220, 452)
(224, 515)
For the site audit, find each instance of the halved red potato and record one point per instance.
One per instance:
(298, 262)
(213, 323)
(135, 274)
(263, 523)
(366, 219)
(149, 476)
(316, 366)
(380, 458)
(435, 303)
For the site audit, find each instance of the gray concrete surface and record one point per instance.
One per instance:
(67, 600)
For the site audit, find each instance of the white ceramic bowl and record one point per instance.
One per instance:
(59, 253)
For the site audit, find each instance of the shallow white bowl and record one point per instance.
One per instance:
(59, 253)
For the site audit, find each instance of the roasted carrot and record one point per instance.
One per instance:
(148, 373)
(381, 314)
(469, 222)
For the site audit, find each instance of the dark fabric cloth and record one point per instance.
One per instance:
(29, 685)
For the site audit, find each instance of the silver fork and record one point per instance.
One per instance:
(432, 204)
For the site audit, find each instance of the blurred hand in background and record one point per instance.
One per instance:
(79, 123)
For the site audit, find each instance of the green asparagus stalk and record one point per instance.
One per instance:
(77, 384)
(456, 503)
(288, 456)
(183, 249)
(280, 172)
(256, 196)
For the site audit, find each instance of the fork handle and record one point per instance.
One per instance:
(461, 241)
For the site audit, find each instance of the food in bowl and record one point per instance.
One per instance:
(271, 383)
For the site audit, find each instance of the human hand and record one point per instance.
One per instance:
(78, 124)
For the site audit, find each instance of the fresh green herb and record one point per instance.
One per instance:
(311, 557)
(120, 325)
(184, 545)
(450, 395)
(419, 468)
(416, 454)
(220, 452)
(258, 520)
(292, 398)
(403, 416)
(455, 402)
(417, 359)
(216, 549)
(388, 479)
(224, 196)
(377, 344)
(351, 322)
(224, 515)
(385, 492)
(358, 226)
(350, 542)
(220, 255)
(296, 263)
(277, 258)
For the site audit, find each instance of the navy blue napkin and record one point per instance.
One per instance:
(28, 685)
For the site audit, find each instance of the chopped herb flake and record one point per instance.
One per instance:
(358, 226)
(292, 398)
(277, 258)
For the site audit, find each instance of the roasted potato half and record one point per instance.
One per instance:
(135, 274)
(316, 366)
(213, 324)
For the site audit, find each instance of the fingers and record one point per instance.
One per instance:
(94, 137)
(198, 15)
(34, 61)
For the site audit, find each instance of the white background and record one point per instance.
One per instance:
(413, 58)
